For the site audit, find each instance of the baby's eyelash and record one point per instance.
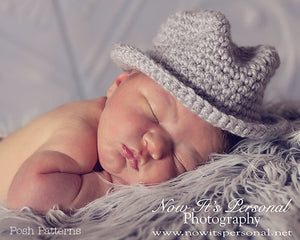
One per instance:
(154, 115)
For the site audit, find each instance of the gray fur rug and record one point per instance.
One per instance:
(251, 193)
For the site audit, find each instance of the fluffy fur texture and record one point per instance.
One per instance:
(259, 172)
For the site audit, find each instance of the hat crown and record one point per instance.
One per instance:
(197, 49)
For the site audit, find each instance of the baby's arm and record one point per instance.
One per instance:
(61, 160)
(43, 184)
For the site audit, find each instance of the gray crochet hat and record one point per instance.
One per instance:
(194, 58)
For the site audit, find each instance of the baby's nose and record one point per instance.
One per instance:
(157, 143)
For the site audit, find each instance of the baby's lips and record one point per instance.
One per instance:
(130, 156)
(134, 164)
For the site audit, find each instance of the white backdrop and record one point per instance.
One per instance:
(55, 51)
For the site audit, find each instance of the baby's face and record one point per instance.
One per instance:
(145, 135)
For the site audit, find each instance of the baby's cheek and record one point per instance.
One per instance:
(111, 162)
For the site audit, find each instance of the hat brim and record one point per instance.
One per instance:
(128, 57)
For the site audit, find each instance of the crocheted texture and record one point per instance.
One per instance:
(194, 58)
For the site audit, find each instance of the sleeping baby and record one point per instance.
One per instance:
(192, 94)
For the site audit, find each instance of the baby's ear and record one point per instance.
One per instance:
(122, 77)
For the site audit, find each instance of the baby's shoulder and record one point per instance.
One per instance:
(86, 112)
(85, 108)
(79, 117)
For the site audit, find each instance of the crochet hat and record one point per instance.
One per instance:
(194, 58)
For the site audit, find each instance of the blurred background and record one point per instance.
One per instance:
(56, 51)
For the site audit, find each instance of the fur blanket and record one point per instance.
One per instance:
(251, 193)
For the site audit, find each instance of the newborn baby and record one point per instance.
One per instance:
(140, 133)
(170, 109)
